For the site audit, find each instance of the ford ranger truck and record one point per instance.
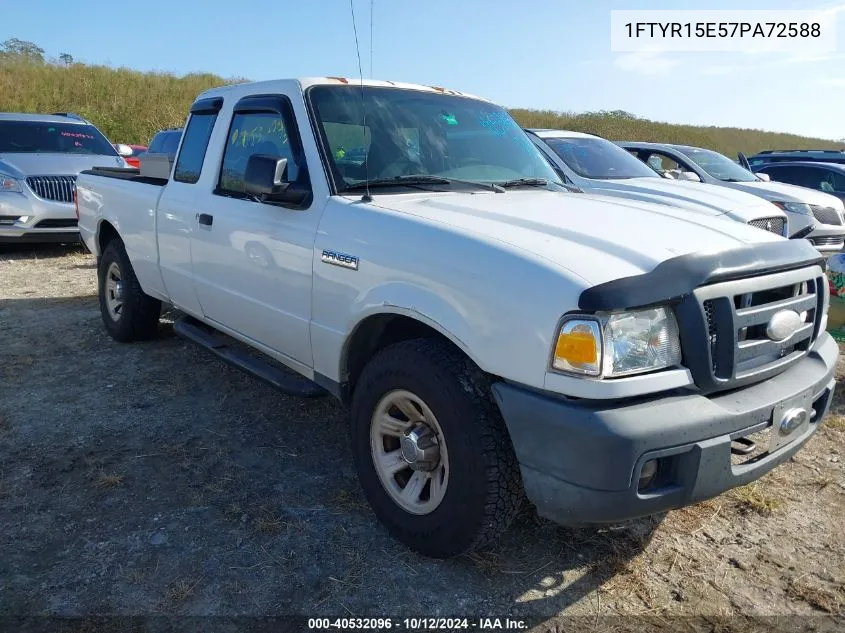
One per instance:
(408, 250)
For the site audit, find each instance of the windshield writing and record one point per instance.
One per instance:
(36, 137)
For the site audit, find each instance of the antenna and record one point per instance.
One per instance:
(371, 38)
(366, 197)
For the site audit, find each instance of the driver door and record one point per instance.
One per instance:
(252, 261)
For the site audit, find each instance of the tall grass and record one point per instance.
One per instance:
(126, 105)
(130, 106)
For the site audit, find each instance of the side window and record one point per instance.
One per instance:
(661, 162)
(802, 176)
(831, 181)
(192, 155)
(255, 133)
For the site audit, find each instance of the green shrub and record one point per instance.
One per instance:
(130, 106)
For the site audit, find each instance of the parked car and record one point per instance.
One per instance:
(40, 157)
(826, 177)
(813, 215)
(791, 155)
(165, 142)
(597, 165)
(492, 333)
(131, 153)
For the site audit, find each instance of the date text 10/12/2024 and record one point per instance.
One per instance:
(416, 624)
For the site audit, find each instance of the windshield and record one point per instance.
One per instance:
(598, 158)
(415, 133)
(717, 165)
(58, 138)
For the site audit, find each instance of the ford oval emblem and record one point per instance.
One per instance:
(783, 324)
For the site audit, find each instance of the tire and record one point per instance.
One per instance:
(137, 317)
(482, 490)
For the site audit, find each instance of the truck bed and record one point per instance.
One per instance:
(125, 173)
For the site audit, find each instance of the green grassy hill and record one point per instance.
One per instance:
(130, 106)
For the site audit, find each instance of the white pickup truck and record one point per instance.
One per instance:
(408, 250)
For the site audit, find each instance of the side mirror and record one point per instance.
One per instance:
(690, 176)
(763, 177)
(266, 178)
(123, 150)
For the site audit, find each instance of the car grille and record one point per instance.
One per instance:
(773, 225)
(826, 215)
(57, 224)
(6, 220)
(56, 188)
(830, 240)
(732, 318)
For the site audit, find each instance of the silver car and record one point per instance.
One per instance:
(40, 157)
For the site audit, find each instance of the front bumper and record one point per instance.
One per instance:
(827, 238)
(26, 218)
(581, 460)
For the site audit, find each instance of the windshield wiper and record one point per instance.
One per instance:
(419, 179)
(524, 182)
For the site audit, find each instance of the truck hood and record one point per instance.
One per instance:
(595, 238)
(694, 196)
(783, 192)
(23, 165)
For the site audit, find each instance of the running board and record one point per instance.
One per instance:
(286, 381)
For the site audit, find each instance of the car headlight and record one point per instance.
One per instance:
(619, 344)
(795, 207)
(7, 183)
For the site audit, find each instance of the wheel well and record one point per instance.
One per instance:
(106, 234)
(374, 334)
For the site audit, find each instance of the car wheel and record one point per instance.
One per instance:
(128, 313)
(432, 452)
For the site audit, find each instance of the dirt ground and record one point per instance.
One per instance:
(152, 479)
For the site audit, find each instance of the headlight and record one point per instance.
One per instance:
(795, 207)
(618, 344)
(7, 183)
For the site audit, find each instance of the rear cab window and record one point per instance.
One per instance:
(197, 134)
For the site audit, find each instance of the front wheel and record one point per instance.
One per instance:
(128, 313)
(432, 451)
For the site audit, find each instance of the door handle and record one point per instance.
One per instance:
(205, 219)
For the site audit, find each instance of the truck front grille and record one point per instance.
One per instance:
(825, 215)
(733, 317)
(55, 188)
(772, 225)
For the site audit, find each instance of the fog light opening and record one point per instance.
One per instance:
(648, 474)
